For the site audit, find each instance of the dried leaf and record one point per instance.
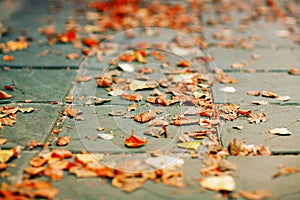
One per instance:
(9, 87)
(259, 117)
(189, 145)
(3, 141)
(72, 56)
(80, 79)
(255, 195)
(184, 63)
(61, 153)
(218, 183)
(26, 110)
(5, 155)
(280, 131)
(294, 71)
(106, 136)
(88, 158)
(260, 102)
(134, 141)
(253, 93)
(131, 107)
(117, 113)
(126, 67)
(70, 112)
(116, 92)
(132, 97)
(37, 161)
(4, 95)
(269, 94)
(283, 98)
(63, 140)
(140, 85)
(145, 117)
(99, 101)
(228, 89)
(238, 127)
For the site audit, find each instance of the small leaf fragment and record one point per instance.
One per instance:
(189, 145)
(106, 136)
(218, 183)
(280, 131)
(228, 89)
(26, 110)
(4, 95)
(283, 98)
(255, 195)
(126, 67)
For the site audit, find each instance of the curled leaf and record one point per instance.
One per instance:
(4, 95)
(134, 141)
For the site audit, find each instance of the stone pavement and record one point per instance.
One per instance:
(250, 41)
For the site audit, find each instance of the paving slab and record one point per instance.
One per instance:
(255, 173)
(36, 125)
(282, 84)
(281, 59)
(37, 85)
(56, 57)
(276, 117)
(85, 131)
(16, 167)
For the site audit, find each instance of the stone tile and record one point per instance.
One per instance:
(265, 31)
(271, 59)
(56, 57)
(29, 126)
(16, 172)
(255, 173)
(282, 84)
(37, 85)
(85, 133)
(276, 117)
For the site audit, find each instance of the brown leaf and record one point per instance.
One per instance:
(260, 102)
(70, 112)
(132, 97)
(54, 174)
(259, 117)
(4, 95)
(80, 79)
(61, 153)
(9, 87)
(294, 71)
(255, 195)
(72, 56)
(223, 77)
(145, 117)
(64, 140)
(269, 94)
(37, 161)
(134, 141)
(253, 93)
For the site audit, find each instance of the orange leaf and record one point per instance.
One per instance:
(4, 95)
(134, 141)
(183, 63)
(64, 140)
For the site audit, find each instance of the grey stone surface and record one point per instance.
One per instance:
(271, 59)
(276, 117)
(282, 84)
(255, 173)
(36, 125)
(37, 85)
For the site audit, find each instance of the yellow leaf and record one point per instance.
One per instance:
(5, 155)
(26, 110)
(189, 145)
